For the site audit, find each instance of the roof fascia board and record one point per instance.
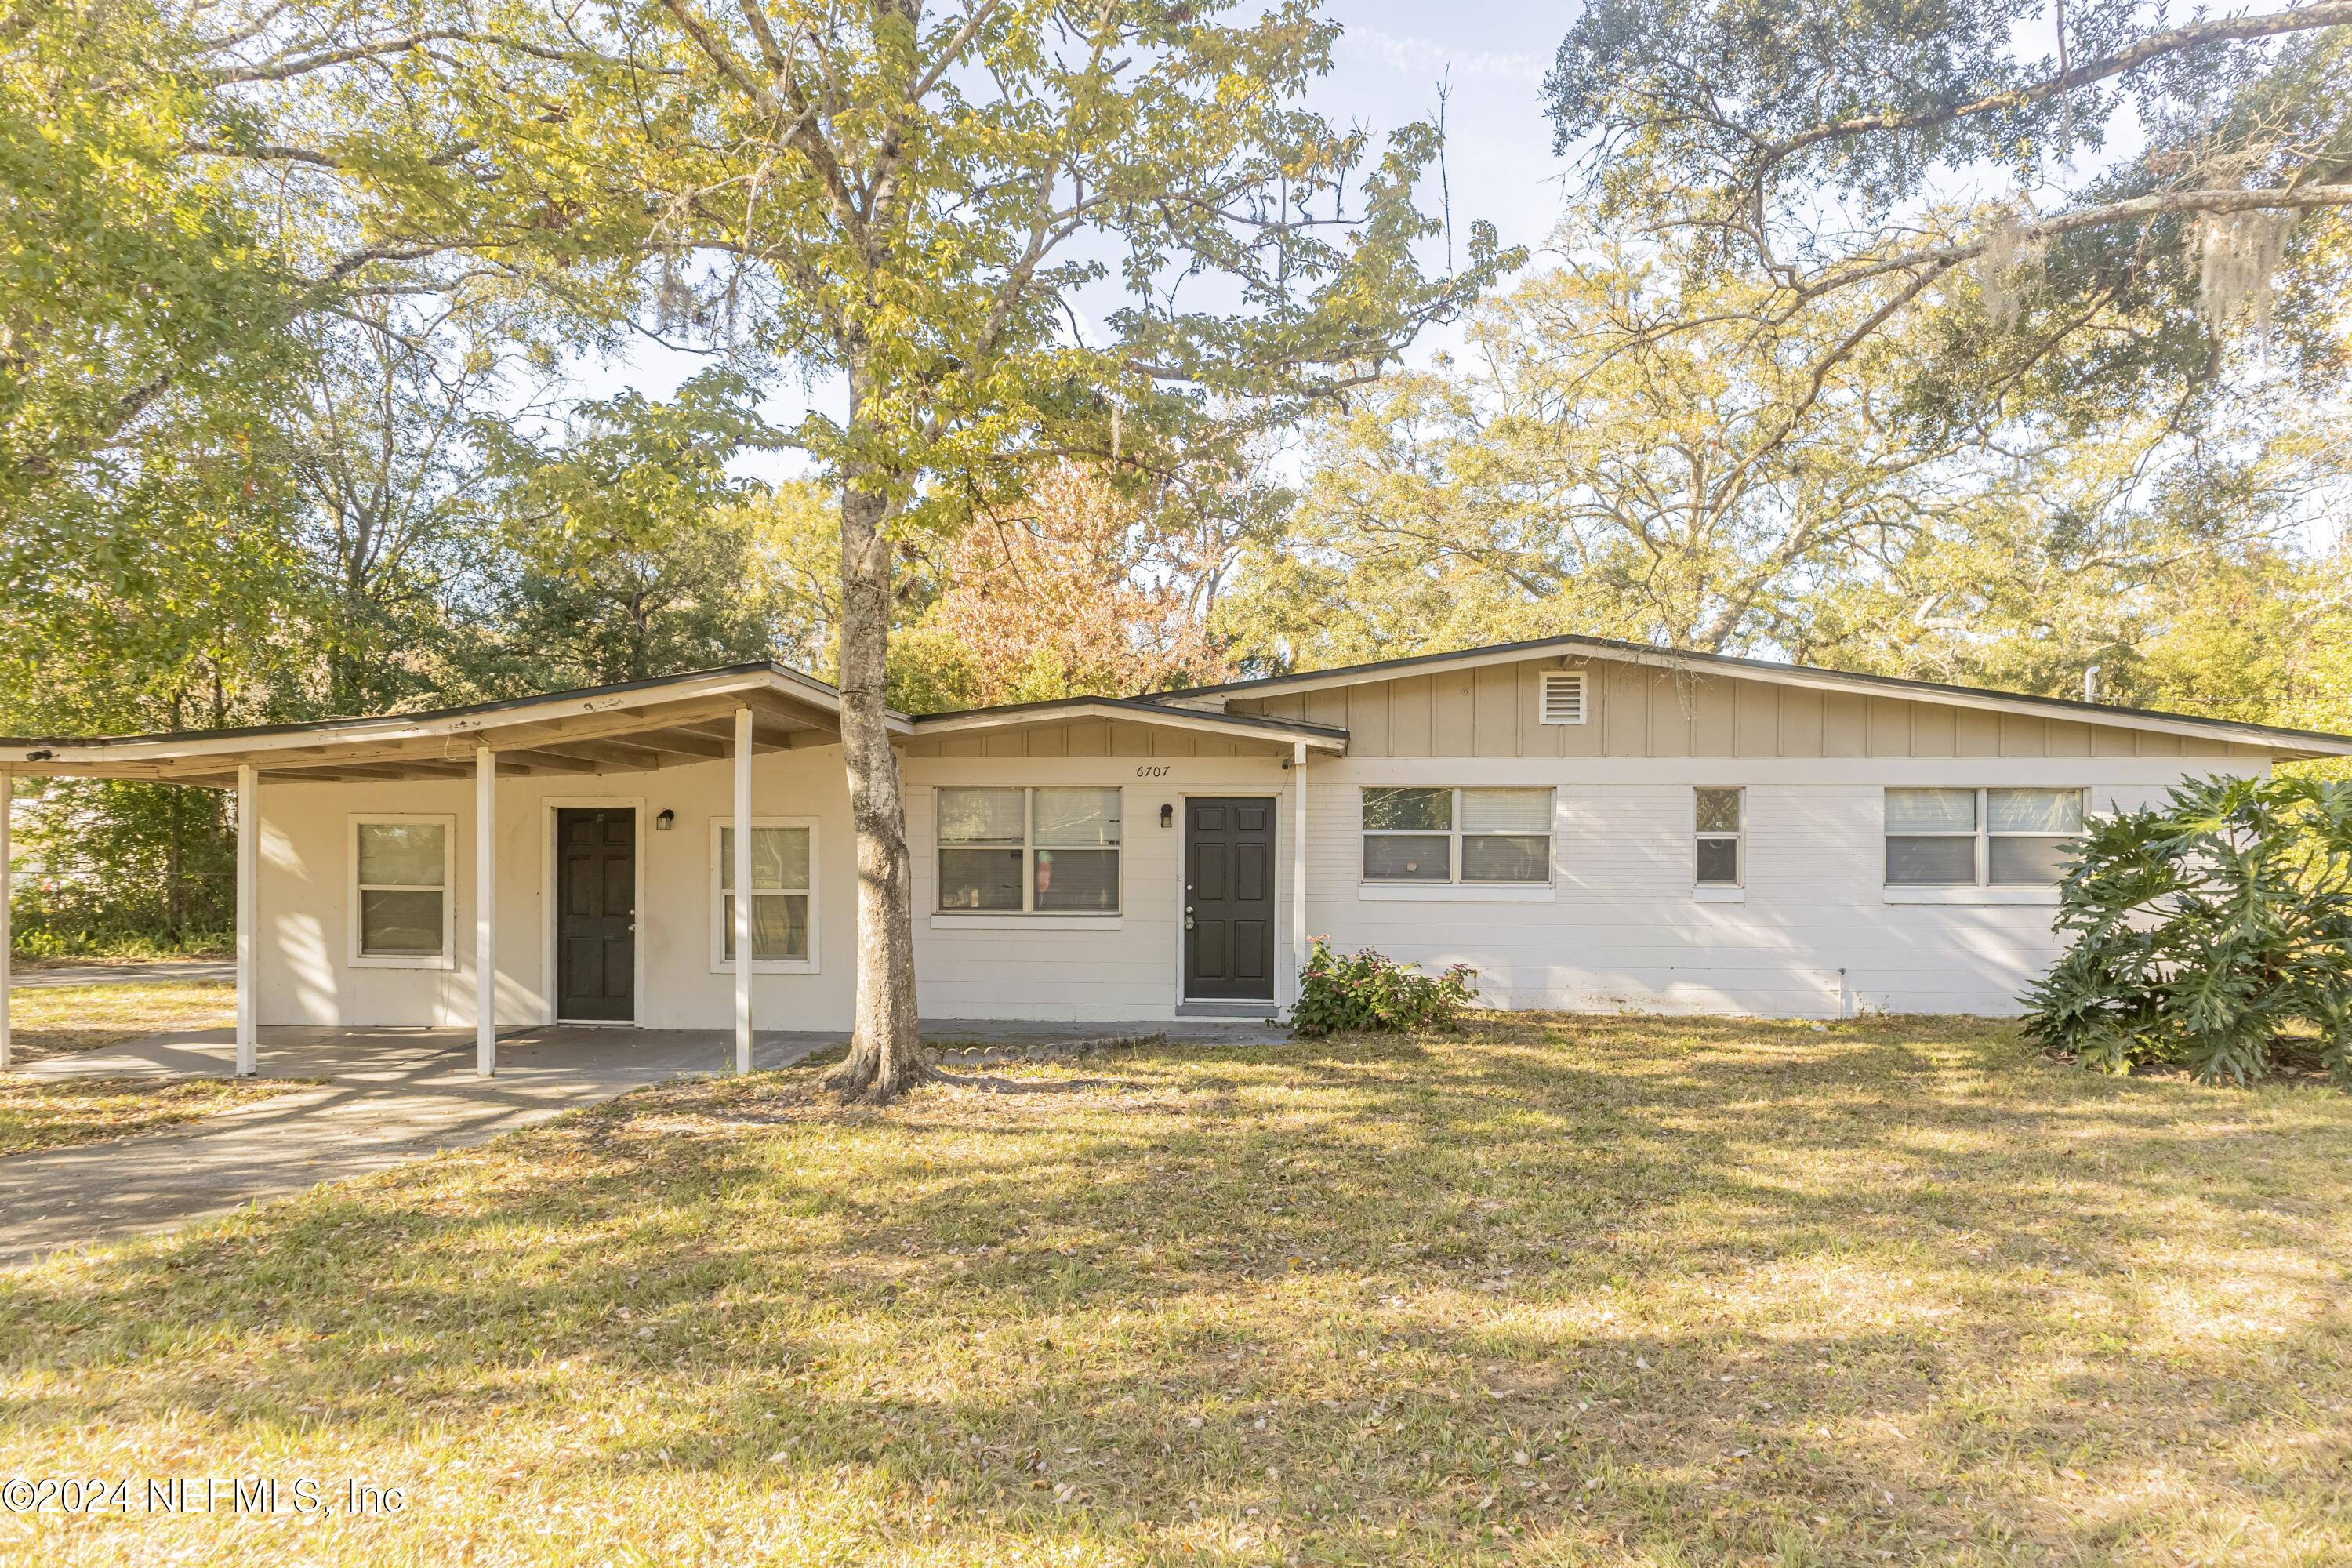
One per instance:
(1253, 728)
(482, 725)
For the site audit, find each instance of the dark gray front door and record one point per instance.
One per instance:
(596, 913)
(1229, 899)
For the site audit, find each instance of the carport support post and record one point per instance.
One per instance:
(1297, 865)
(742, 880)
(485, 935)
(248, 919)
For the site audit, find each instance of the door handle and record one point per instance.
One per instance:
(1188, 918)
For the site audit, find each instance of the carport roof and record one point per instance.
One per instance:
(634, 725)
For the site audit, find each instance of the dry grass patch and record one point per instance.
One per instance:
(59, 1114)
(1563, 1291)
(49, 1020)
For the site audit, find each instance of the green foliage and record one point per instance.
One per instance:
(2214, 931)
(1574, 472)
(118, 867)
(128, 277)
(630, 550)
(1368, 992)
(1746, 122)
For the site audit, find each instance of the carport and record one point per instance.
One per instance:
(733, 713)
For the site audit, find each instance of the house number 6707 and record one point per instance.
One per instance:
(1151, 770)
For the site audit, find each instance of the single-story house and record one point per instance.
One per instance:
(1590, 823)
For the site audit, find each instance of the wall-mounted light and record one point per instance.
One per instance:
(1167, 816)
(665, 822)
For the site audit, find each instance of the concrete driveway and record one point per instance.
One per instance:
(391, 1095)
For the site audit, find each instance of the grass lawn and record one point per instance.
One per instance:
(46, 1020)
(1565, 1290)
(55, 1114)
(52, 1020)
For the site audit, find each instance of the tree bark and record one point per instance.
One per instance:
(886, 1056)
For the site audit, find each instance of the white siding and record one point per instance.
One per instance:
(1083, 968)
(1620, 930)
(306, 978)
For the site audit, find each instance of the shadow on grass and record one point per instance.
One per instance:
(1729, 1287)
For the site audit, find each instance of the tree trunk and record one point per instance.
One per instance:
(885, 1053)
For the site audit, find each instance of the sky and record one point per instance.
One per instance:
(1385, 74)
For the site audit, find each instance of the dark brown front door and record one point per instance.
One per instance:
(1229, 899)
(596, 914)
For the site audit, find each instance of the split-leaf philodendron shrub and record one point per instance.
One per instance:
(1366, 992)
(2214, 930)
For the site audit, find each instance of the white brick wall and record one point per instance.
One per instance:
(1619, 930)
(1622, 929)
(306, 977)
(1083, 968)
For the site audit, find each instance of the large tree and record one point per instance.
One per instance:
(983, 235)
(629, 549)
(1823, 149)
(1580, 467)
(1071, 590)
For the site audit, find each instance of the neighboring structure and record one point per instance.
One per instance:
(1591, 825)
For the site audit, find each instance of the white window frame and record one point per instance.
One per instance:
(1029, 846)
(447, 957)
(1983, 836)
(1453, 838)
(719, 962)
(1738, 836)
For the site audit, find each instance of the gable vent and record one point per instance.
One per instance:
(1563, 697)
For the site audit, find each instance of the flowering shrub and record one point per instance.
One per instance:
(1367, 991)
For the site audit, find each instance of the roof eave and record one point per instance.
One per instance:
(1322, 737)
(479, 724)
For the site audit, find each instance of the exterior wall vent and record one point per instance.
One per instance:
(1562, 701)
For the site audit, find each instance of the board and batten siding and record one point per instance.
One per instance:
(1079, 738)
(1641, 711)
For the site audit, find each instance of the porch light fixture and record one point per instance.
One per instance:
(1167, 815)
(665, 822)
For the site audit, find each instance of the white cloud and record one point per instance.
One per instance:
(1426, 57)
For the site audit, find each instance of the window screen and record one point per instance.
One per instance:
(1719, 835)
(780, 893)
